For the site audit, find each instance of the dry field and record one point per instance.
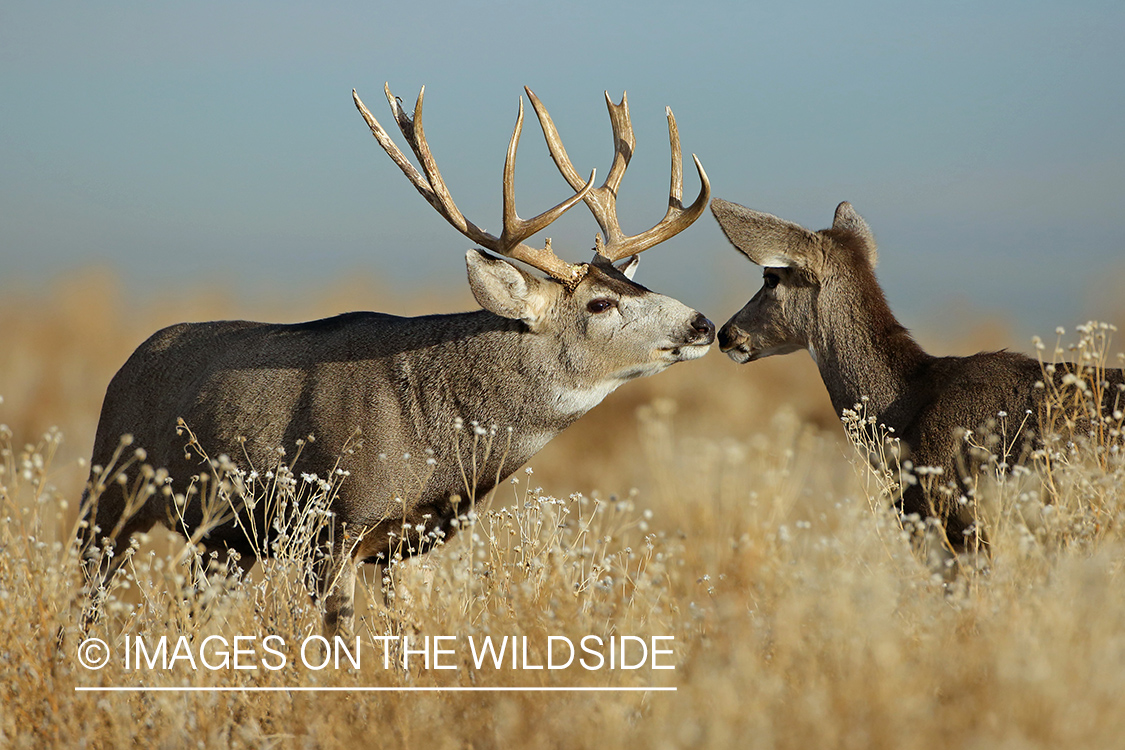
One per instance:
(716, 505)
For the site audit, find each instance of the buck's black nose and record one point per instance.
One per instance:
(704, 329)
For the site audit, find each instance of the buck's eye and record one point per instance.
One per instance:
(771, 279)
(600, 305)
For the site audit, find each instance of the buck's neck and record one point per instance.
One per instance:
(494, 371)
(860, 348)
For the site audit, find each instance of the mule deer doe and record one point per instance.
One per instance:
(820, 294)
(541, 353)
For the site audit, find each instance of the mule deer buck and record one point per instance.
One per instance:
(820, 294)
(541, 353)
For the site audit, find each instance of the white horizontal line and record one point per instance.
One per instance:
(308, 689)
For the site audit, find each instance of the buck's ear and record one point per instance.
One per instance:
(765, 239)
(628, 267)
(847, 220)
(505, 290)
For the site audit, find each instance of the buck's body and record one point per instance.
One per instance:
(397, 384)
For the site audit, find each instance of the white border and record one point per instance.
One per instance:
(385, 689)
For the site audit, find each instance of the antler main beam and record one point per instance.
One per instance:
(602, 201)
(433, 189)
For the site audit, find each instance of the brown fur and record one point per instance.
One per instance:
(827, 300)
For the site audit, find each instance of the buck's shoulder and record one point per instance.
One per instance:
(188, 333)
(340, 322)
(348, 336)
(225, 331)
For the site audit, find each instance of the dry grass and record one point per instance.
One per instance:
(720, 506)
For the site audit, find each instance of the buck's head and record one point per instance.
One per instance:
(604, 328)
(600, 327)
(800, 270)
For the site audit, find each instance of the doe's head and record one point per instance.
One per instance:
(799, 267)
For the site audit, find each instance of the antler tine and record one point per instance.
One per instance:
(624, 143)
(676, 218)
(676, 189)
(554, 142)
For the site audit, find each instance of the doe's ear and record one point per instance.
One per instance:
(847, 220)
(505, 290)
(765, 239)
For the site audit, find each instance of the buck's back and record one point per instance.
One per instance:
(390, 387)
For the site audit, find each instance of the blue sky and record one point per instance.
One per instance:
(984, 142)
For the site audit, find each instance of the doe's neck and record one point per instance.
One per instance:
(862, 350)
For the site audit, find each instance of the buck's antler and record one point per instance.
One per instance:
(432, 188)
(602, 201)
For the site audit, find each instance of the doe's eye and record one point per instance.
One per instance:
(600, 305)
(771, 279)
